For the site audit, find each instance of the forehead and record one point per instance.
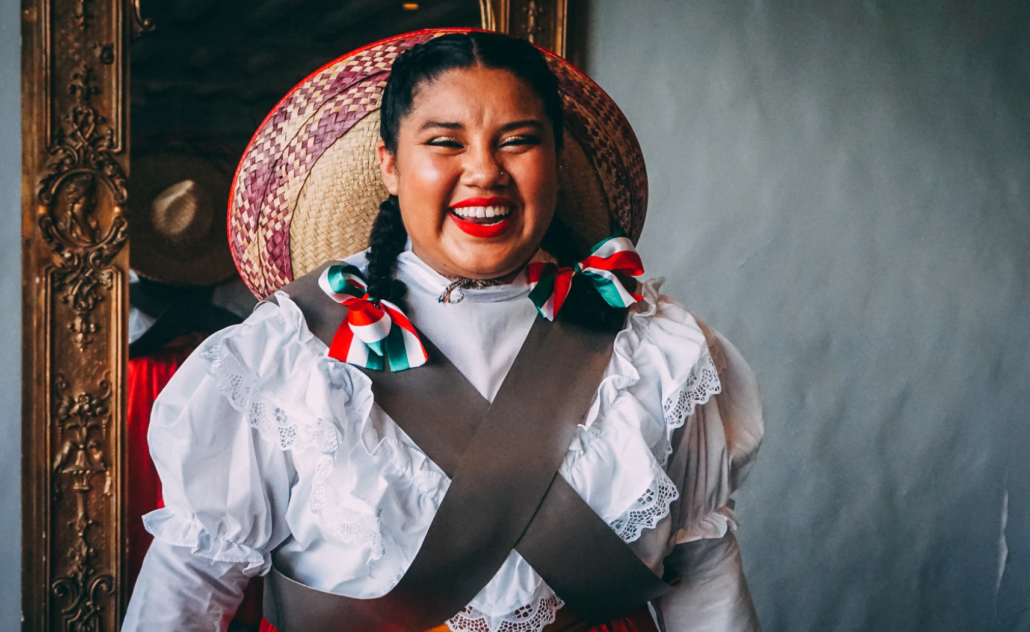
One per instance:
(475, 95)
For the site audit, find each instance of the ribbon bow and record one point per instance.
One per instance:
(368, 337)
(551, 284)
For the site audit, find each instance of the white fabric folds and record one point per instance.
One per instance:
(261, 440)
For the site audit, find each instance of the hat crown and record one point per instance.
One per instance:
(182, 213)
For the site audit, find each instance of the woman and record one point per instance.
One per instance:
(278, 434)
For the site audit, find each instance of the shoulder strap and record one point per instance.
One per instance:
(503, 467)
(566, 542)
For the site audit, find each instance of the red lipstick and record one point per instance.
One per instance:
(476, 229)
(481, 230)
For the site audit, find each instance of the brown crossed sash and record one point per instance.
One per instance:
(505, 492)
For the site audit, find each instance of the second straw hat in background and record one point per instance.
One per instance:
(308, 187)
(178, 191)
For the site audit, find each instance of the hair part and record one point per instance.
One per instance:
(425, 62)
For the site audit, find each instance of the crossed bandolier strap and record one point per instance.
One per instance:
(505, 491)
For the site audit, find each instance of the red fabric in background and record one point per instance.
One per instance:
(147, 376)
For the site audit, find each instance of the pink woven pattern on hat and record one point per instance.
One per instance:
(328, 103)
(299, 129)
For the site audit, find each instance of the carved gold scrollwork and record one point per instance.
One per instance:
(77, 270)
(82, 271)
(104, 52)
(81, 427)
(140, 25)
(534, 13)
(82, 250)
(82, 15)
(83, 145)
(542, 22)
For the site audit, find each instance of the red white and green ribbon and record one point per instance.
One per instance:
(375, 333)
(615, 255)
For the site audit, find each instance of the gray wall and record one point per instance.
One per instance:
(843, 189)
(10, 316)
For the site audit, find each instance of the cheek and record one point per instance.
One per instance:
(538, 185)
(426, 183)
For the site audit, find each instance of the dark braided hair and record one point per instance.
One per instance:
(385, 243)
(424, 63)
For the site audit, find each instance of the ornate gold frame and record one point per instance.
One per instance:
(75, 166)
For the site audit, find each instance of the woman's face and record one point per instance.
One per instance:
(475, 172)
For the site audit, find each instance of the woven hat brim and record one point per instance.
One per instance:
(308, 186)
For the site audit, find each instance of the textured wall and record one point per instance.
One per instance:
(843, 188)
(10, 315)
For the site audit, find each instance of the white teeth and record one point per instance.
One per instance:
(483, 211)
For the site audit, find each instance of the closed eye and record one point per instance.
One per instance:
(522, 139)
(444, 141)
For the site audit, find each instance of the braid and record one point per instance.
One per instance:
(384, 245)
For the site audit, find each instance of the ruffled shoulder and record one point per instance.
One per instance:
(667, 380)
(714, 430)
(670, 353)
(275, 371)
(224, 431)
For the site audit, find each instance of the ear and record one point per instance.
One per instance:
(387, 166)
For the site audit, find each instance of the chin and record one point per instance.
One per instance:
(488, 262)
(485, 271)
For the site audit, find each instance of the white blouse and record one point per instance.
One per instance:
(263, 441)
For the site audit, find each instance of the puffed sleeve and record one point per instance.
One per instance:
(225, 487)
(226, 436)
(672, 433)
(716, 445)
(178, 591)
(687, 394)
(714, 428)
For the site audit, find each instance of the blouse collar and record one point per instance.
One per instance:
(416, 271)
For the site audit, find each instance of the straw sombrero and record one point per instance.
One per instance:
(178, 187)
(308, 187)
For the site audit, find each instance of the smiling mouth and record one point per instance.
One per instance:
(483, 215)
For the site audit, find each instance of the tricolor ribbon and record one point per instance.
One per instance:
(375, 332)
(615, 255)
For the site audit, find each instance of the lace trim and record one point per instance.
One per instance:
(648, 510)
(702, 384)
(239, 385)
(347, 526)
(529, 618)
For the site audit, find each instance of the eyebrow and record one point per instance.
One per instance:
(504, 128)
(443, 124)
(535, 124)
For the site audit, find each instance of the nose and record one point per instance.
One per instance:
(483, 170)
